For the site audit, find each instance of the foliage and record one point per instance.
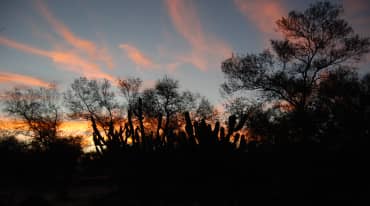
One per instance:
(315, 42)
(299, 74)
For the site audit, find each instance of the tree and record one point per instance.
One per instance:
(342, 110)
(168, 98)
(39, 109)
(315, 42)
(205, 110)
(166, 102)
(152, 109)
(95, 101)
(130, 89)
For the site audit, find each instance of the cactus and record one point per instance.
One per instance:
(231, 127)
(189, 129)
(206, 136)
(243, 143)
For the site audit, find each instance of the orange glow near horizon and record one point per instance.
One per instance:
(67, 128)
(82, 128)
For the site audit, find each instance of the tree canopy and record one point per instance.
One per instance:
(315, 41)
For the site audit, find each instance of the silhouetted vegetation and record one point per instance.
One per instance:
(160, 144)
(293, 79)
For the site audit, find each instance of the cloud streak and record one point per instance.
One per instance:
(83, 45)
(13, 78)
(357, 12)
(206, 47)
(138, 57)
(68, 60)
(22, 47)
(262, 13)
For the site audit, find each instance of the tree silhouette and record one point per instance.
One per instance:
(95, 101)
(315, 42)
(205, 110)
(165, 102)
(130, 89)
(39, 109)
(309, 98)
(341, 111)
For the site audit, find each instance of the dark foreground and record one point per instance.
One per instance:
(191, 179)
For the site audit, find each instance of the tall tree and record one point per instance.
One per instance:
(342, 110)
(314, 42)
(96, 102)
(130, 90)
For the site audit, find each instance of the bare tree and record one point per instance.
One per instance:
(171, 100)
(204, 110)
(95, 101)
(130, 89)
(166, 103)
(39, 109)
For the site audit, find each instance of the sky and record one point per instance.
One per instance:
(57, 41)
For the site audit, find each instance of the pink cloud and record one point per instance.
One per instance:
(22, 47)
(68, 60)
(144, 62)
(262, 13)
(8, 77)
(358, 15)
(83, 45)
(138, 57)
(76, 63)
(171, 67)
(354, 6)
(206, 47)
(149, 83)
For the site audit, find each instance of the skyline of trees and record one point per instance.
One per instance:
(292, 82)
(166, 145)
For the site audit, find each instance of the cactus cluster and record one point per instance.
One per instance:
(198, 136)
(215, 138)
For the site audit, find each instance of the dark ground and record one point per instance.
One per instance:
(198, 179)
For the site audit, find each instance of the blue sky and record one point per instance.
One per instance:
(57, 41)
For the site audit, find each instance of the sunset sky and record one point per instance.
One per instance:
(57, 41)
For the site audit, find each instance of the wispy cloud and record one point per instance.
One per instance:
(357, 12)
(13, 78)
(82, 45)
(144, 62)
(138, 57)
(67, 59)
(353, 6)
(22, 47)
(77, 64)
(206, 48)
(148, 83)
(262, 13)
